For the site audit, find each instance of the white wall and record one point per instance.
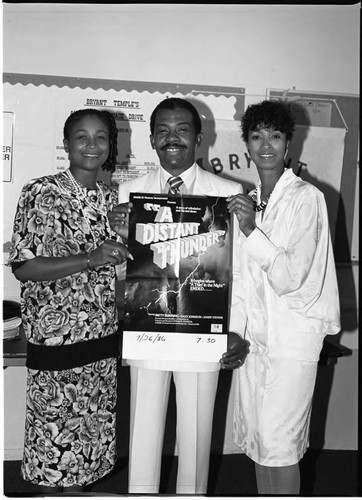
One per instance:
(280, 46)
(253, 46)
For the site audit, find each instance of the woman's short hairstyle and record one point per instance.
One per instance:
(176, 103)
(274, 115)
(109, 120)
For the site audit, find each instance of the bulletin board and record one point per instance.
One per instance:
(324, 151)
(40, 105)
(131, 103)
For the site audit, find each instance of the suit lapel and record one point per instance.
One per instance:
(203, 184)
(153, 182)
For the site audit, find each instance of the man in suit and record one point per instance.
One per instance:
(175, 135)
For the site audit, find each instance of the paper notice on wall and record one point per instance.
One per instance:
(8, 131)
(318, 113)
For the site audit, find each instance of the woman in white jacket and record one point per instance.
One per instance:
(290, 302)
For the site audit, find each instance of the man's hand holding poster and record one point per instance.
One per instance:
(177, 286)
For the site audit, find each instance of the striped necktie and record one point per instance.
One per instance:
(174, 183)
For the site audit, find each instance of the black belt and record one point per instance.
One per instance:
(63, 357)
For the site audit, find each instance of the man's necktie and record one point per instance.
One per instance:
(174, 183)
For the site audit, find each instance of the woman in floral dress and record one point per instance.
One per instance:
(64, 254)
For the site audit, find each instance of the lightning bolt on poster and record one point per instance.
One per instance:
(177, 286)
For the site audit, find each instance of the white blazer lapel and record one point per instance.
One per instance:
(155, 181)
(203, 184)
(151, 183)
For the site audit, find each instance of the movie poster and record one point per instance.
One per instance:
(177, 286)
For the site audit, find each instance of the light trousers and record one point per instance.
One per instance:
(195, 398)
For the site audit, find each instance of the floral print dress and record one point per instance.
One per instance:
(70, 413)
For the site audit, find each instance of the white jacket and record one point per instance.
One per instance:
(290, 256)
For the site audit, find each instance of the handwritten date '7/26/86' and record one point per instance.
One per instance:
(146, 337)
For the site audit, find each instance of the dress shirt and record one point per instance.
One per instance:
(188, 178)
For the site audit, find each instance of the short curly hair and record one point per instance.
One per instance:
(173, 103)
(273, 115)
(109, 120)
